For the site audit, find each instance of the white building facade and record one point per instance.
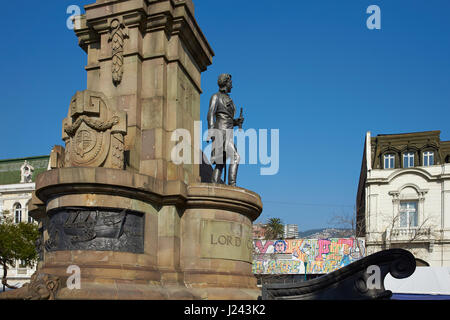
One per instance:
(290, 231)
(16, 187)
(403, 196)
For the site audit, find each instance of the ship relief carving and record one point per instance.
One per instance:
(93, 133)
(96, 229)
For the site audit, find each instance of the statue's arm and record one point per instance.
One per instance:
(212, 111)
(210, 116)
(238, 121)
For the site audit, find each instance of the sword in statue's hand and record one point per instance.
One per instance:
(241, 118)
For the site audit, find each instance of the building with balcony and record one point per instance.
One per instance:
(403, 198)
(17, 178)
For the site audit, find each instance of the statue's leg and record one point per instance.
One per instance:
(218, 157)
(234, 164)
(217, 173)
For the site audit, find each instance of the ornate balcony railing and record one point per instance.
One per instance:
(411, 233)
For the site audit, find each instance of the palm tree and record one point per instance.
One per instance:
(274, 229)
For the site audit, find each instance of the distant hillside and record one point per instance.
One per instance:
(307, 233)
(325, 233)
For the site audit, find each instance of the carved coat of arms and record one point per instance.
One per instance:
(93, 132)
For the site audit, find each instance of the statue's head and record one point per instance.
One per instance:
(225, 83)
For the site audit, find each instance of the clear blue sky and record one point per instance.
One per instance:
(308, 68)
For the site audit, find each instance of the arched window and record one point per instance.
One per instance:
(18, 213)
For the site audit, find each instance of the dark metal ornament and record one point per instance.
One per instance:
(350, 282)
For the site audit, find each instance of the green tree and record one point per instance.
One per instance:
(274, 229)
(17, 243)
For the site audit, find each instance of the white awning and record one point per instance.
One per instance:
(425, 280)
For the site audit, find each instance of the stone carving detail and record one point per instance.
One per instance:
(93, 133)
(94, 124)
(118, 32)
(42, 287)
(95, 229)
(26, 172)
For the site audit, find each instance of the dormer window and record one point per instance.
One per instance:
(428, 158)
(389, 161)
(408, 160)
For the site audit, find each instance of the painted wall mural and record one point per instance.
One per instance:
(321, 255)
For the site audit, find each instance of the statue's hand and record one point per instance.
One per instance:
(210, 136)
(239, 121)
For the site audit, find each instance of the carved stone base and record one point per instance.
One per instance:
(132, 291)
(135, 237)
(41, 287)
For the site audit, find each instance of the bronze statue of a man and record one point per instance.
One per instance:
(221, 118)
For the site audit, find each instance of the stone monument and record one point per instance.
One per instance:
(114, 204)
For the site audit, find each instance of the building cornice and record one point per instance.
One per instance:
(385, 176)
(18, 187)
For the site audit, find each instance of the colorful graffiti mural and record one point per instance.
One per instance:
(321, 255)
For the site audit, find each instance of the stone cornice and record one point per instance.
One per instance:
(86, 35)
(82, 180)
(174, 17)
(74, 180)
(217, 196)
(100, 10)
(18, 187)
(392, 174)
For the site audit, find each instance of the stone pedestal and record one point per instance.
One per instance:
(177, 242)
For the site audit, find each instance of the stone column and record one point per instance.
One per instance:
(146, 57)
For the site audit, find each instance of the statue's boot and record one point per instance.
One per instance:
(232, 174)
(217, 173)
